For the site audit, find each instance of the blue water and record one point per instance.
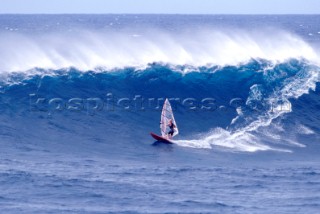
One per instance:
(80, 94)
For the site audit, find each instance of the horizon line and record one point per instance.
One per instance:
(263, 14)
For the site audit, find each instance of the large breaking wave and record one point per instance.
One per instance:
(266, 72)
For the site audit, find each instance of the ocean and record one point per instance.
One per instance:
(80, 94)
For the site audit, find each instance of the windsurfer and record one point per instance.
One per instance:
(171, 126)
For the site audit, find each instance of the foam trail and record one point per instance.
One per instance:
(93, 50)
(225, 140)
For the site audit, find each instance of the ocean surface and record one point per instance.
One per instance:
(79, 95)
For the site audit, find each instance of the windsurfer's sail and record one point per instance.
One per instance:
(166, 116)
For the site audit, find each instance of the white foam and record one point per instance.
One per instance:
(225, 140)
(305, 130)
(90, 50)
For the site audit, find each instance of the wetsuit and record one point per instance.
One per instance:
(171, 129)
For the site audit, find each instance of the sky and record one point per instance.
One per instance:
(162, 6)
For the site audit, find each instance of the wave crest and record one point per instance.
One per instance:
(88, 50)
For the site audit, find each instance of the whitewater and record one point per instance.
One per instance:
(79, 95)
(92, 50)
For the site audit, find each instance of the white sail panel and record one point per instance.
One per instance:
(166, 116)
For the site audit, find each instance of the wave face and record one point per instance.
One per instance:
(233, 89)
(231, 107)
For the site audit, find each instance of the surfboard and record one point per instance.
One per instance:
(161, 139)
(166, 116)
